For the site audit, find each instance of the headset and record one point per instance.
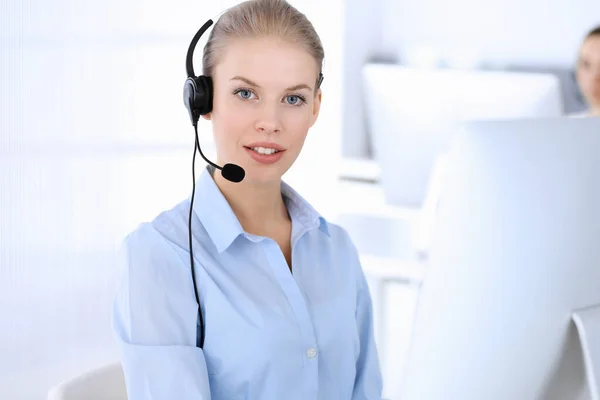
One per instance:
(198, 100)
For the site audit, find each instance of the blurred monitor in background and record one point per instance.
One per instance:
(412, 115)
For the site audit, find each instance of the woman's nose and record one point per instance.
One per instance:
(268, 120)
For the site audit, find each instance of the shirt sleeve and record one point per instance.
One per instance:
(368, 384)
(154, 322)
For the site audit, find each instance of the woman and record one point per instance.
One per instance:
(588, 71)
(285, 305)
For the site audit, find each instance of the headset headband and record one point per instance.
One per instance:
(189, 59)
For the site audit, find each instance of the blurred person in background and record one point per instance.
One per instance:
(588, 72)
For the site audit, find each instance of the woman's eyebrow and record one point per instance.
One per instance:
(298, 87)
(246, 80)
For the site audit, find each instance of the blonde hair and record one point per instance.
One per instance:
(261, 18)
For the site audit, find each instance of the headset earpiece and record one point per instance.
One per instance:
(197, 96)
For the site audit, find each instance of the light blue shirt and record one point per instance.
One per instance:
(270, 333)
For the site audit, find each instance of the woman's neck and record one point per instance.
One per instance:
(259, 208)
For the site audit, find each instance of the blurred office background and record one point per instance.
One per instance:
(94, 139)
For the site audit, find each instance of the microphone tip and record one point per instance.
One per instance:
(233, 173)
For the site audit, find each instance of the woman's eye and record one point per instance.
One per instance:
(294, 100)
(244, 94)
(585, 64)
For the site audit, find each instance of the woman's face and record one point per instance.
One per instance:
(588, 71)
(264, 100)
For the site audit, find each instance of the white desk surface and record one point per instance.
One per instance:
(389, 269)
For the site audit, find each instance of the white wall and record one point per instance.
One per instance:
(362, 40)
(537, 33)
(94, 138)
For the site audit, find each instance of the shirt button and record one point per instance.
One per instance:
(311, 353)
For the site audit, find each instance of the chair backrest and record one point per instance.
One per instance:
(105, 383)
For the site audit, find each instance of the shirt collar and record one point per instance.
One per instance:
(302, 212)
(221, 223)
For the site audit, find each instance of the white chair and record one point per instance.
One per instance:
(105, 383)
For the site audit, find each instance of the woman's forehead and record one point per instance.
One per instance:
(266, 59)
(591, 47)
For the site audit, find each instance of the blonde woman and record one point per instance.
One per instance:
(285, 309)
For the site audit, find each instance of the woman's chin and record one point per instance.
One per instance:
(265, 172)
(262, 176)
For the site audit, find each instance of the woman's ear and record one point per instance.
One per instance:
(316, 106)
(207, 116)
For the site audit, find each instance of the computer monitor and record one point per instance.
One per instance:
(412, 114)
(515, 252)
